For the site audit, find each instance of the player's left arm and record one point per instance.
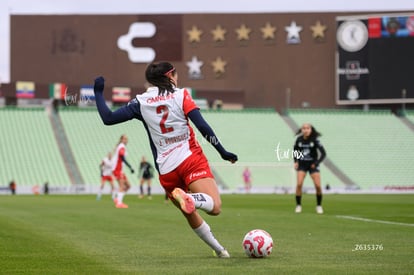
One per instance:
(209, 135)
(192, 111)
(122, 157)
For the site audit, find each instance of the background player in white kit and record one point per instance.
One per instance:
(106, 176)
(165, 111)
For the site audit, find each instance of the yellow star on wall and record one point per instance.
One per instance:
(318, 30)
(219, 66)
(268, 31)
(194, 35)
(218, 33)
(243, 32)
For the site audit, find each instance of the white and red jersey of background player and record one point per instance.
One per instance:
(107, 167)
(117, 163)
(166, 121)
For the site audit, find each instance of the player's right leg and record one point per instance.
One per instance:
(149, 188)
(127, 185)
(113, 192)
(119, 203)
(99, 195)
(141, 188)
(317, 182)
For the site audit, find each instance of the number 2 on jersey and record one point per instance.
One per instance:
(164, 109)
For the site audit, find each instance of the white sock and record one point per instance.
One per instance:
(120, 196)
(204, 232)
(113, 195)
(203, 201)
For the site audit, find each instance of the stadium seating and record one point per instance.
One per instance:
(410, 116)
(252, 135)
(29, 152)
(91, 141)
(256, 136)
(373, 148)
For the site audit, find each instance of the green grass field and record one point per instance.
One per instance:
(78, 235)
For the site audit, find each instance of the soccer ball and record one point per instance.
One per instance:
(257, 243)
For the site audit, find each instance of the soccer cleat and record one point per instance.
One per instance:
(222, 254)
(116, 201)
(185, 201)
(319, 209)
(121, 205)
(298, 209)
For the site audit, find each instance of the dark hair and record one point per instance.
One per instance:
(157, 75)
(314, 133)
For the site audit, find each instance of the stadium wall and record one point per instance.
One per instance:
(260, 71)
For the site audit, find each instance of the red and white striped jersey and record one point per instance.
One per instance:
(165, 118)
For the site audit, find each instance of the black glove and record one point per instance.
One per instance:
(99, 84)
(229, 156)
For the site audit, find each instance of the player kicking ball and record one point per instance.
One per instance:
(184, 172)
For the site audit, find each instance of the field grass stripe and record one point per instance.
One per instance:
(376, 221)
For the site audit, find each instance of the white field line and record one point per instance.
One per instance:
(375, 221)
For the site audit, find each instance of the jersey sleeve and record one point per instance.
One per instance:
(121, 152)
(205, 129)
(188, 103)
(125, 113)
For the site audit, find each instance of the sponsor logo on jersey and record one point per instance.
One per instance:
(198, 174)
(175, 139)
(160, 98)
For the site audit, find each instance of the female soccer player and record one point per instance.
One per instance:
(106, 175)
(145, 174)
(247, 179)
(165, 111)
(306, 159)
(118, 171)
